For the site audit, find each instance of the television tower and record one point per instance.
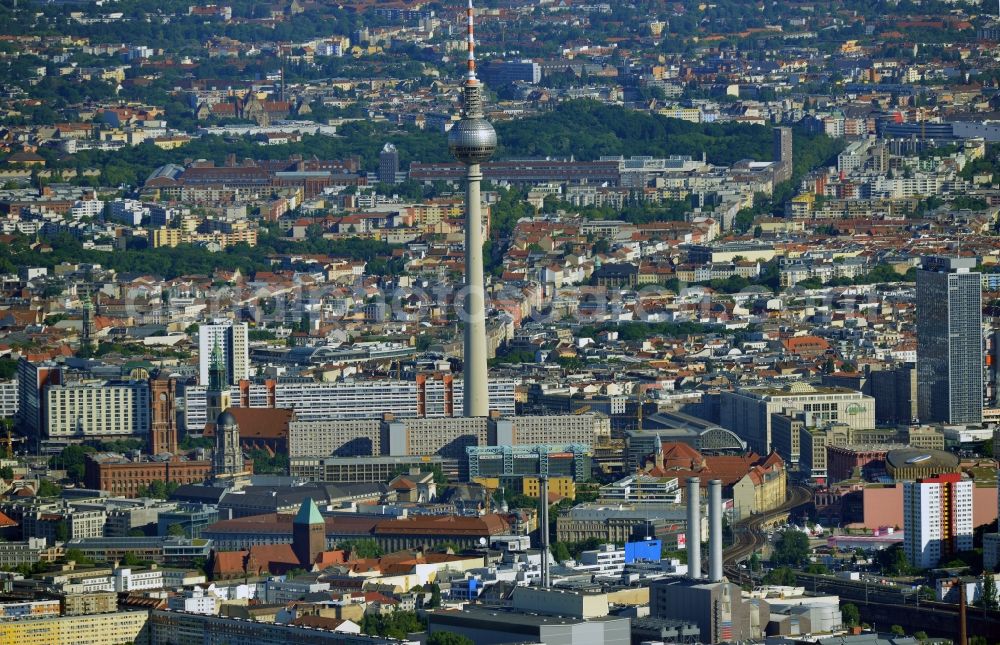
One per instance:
(471, 141)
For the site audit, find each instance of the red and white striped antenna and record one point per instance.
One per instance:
(470, 75)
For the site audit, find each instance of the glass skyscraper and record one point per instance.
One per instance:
(949, 341)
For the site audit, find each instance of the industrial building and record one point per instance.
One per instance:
(713, 603)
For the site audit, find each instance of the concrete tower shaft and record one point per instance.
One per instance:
(471, 141)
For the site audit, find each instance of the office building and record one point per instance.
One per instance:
(32, 379)
(509, 461)
(782, 154)
(895, 392)
(365, 469)
(748, 411)
(949, 341)
(498, 73)
(937, 519)
(388, 164)
(231, 338)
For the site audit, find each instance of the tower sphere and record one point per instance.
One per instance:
(472, 140)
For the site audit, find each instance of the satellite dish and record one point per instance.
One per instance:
(482, 541)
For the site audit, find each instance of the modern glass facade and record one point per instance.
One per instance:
(949, 341)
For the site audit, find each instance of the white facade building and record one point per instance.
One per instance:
(233, 343)
(8, 398)
(937, 518)
(97, 409)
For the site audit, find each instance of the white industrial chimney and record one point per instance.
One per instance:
(694, 528)
(715, 531)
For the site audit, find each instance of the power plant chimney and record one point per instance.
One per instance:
(694, 528)
(543, 526)
(715, 531)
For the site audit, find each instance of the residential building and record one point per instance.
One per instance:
(87, 629)
(231, 338)
(937, 519)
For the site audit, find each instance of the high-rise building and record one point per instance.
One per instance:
(949, 341)
(163, 416)
(895, 392)
(388, 164)
(32, 379)
(472, 141)
(231, 338)
(782, 153)
(96, 409)
(937, 518)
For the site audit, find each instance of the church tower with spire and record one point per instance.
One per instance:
(217, 398)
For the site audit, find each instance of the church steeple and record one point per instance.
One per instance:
(218, 375)
(217, 396)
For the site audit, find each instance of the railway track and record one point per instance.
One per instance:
(749, 534)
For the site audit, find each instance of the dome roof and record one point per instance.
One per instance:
(921, 457)
(226, 419)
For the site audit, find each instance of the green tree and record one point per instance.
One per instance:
(76, 555)
(792, 548)
(893, 561)
(7, 473)
(850, 614)
(435, 599)
(920, 636)
(989, 596)
(898, 630)
(561, 552)
(395, 625)
(784, 576)
(73, 460)
(48, 488)
(449, 638)
(362, 548)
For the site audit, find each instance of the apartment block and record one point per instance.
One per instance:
(937, 519)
